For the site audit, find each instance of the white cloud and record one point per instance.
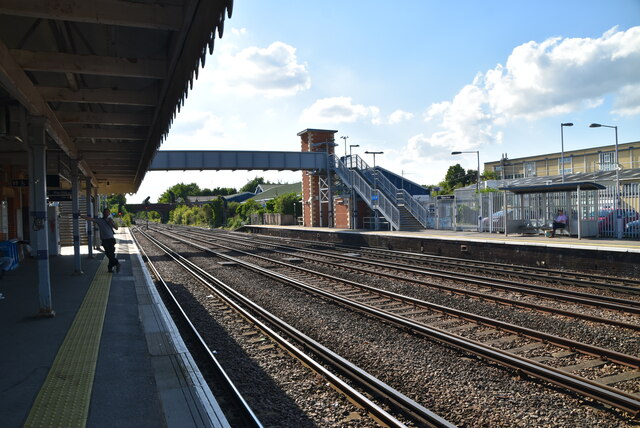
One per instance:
(556, 76)
(338, 110)
(273, 71)
(628, 101)
(399, 116)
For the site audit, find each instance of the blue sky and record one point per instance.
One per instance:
(415, 79)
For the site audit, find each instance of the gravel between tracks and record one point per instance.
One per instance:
(464, 390)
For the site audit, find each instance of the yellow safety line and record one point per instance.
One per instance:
(63, 400)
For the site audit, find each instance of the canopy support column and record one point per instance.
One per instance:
(75, 210)
(89, 225)
(38, 188)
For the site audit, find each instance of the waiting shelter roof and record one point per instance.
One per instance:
(555, 187)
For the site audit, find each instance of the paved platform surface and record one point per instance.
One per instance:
(140, 373)
(625, 245)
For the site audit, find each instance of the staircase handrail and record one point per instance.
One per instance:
(341, 169)
(365, 191)
(411, 204)
(415, 207)
(384, 205)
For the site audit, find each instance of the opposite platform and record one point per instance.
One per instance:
(603, 256)
(110, 357)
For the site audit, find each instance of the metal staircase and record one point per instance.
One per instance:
(359, 184)
(398, 206)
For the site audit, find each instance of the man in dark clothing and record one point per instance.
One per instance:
(107, 227)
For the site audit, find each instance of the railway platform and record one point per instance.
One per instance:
(111, 356)
(615, 257)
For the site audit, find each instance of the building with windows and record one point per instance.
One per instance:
(591, 160)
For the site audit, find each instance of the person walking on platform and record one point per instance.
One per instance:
(107, 226)
(559, 223)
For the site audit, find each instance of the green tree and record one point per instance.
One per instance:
(457, 177)
(178, 193)
(283, 204)
(116, 204)
(251, 185)
(218, 191)
(245, 210)
(489, 175)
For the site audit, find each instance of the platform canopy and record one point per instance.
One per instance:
(108, 76)
(555, 187)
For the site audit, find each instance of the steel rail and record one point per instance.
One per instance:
(599, 392)
(240, 410)
(480, 295)
(624, 359)
(573, 278)
(348, 369)
(612, 303)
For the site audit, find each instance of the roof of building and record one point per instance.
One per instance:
(277, 190)
(556, 187)
(570, 153)
(239, 197)
(201, 198)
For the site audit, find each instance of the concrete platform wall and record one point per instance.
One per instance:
(600, 261)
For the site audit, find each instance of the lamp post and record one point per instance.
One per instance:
(562, 125)
(375, 186)
(353, 210)
(477, 152)
(345, 144)
(617, 199)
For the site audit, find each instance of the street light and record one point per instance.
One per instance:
(617, 200)
(562, 125)
(477, 152)
(345, 144)
(375, 186)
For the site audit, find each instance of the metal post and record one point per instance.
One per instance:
(375, 189)
(94, 227)
(562, 125)
(330, 220)
(617, 202)
(38, 187)
(75, 210)
(88, 224)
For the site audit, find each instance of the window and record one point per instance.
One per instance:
(607, 161)
(568, 165)
(529, 169)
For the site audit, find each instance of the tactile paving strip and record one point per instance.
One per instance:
(63, 400)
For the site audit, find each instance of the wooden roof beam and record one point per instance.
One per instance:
(134, 119)
(109, 12)
(18, 84)
(90, 64)
(147, 97)
(134, 133)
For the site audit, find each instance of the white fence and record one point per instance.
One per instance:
(593, 211)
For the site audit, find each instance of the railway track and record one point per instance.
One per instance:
(232, 403)
(488, 269)
(356, 263)
(463, 331)
(330, 362)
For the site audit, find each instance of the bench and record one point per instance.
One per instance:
(534, 229)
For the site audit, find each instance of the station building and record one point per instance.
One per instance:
(592, 160)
